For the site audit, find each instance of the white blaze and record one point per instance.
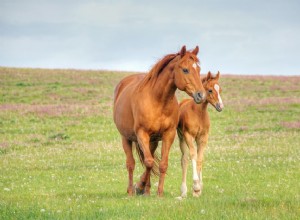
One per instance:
(195, 66)
(217, 88)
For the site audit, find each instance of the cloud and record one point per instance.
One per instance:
(236, 37)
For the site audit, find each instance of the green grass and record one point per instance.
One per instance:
(61, 155)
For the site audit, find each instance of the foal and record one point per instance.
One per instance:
(193, 125)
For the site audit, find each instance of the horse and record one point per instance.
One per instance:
(194, 124)
(146, 111)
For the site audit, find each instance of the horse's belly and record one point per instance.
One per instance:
(123, 119)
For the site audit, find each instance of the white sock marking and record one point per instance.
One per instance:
(195, 176)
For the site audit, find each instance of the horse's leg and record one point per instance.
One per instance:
(201, 145)
(193, 154)
(167, 141)
(143, 139)
(153, 146)
(130, 163)
(184, 165)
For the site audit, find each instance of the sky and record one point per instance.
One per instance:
(234, 36)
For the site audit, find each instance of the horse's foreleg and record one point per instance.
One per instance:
(143, 139)
(193, 154)
(167, 141)
(153, 146)
(130, 163)
(201, 145)
(184, 165)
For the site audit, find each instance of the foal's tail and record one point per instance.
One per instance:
(140, 153)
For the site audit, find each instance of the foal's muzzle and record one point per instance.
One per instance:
(219, 107)
(198, 97)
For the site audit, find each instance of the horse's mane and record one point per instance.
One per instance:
(158, 68)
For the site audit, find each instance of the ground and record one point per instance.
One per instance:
(61, 155)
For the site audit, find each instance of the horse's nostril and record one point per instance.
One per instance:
(198, 97)
(200, 94)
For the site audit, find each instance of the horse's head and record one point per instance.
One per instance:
(213, 90)
(187, 74)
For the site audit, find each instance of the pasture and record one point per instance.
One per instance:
(61, 156)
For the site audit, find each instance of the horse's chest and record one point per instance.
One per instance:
(161, 123)
(156, 119)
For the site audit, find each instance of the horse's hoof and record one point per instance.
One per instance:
(139, 191)
(131, 191)
(160, 194)
(146, 194)
(197, 188)
(197, 193)
(184, 195)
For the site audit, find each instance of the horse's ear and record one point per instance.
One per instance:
(183, 51)
(218, 75)
(196, 50)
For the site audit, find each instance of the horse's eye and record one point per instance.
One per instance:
(210, 91)
(185, 70)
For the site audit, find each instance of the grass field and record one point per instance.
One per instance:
(61, 155)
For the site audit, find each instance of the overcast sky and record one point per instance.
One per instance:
(234, 36)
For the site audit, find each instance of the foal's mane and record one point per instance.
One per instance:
(204, 79)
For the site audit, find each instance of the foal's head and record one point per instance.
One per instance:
(213, 90)
(187, 74)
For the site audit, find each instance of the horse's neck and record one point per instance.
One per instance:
(163, 87)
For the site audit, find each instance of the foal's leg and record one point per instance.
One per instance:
(184, 165)
(193, 154)
(143, 139)
(167, 141)
(130, 163)
(201, 145)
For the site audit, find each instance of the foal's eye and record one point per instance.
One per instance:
(185, 70)
(210, 91)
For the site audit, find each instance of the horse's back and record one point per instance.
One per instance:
(126, 82)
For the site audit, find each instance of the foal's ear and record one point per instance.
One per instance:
(183, 51)
(196, 50)
(209, 76)
(218, 75)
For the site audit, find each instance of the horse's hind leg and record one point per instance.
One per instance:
(130, 164)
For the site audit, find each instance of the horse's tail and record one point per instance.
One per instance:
(140, 153)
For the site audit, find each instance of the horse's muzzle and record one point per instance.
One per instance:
(198, 97)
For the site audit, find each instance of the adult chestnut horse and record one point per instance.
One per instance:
(146, 112)
(193, 125)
